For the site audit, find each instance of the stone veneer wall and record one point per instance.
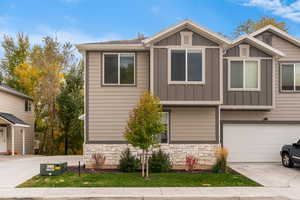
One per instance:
(204, 152)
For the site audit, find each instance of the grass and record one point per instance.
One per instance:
(171, 179)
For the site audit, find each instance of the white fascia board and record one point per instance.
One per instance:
(196, 26)
(258, 44)
(81, 47)
(279, 32)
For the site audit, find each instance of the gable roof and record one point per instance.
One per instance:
(13, 119)
(6, 88)
(194, 27)
(278, 32)
(257, 43)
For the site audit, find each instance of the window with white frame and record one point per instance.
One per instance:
(290, 77)
(244, 75)
(164, 137)
(186, 66)
(118, 69)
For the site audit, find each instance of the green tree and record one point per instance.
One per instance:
(16, 52)
(70, 107)
(250, 26)
(144, 125)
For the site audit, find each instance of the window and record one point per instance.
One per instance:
(27, 105)
(290, 77)
(118, 69)
(186, 66)
(244, 75)
(164, 137)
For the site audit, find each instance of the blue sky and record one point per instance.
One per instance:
(80, 21)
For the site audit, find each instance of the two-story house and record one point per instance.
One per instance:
(16, 122)
(242, 94)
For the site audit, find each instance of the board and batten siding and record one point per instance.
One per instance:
(175, 40)
(200, 92)
(262, 97)
(109, 106)
(193, 124)
(16, 105)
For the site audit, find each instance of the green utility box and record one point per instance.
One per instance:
(53, 169)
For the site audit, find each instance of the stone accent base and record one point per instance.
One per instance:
(178, 152)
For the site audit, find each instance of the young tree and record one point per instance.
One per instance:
(250, 26)
(70, 107)
(16, 52)
(144, 125)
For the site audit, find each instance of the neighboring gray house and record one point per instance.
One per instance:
(16, 122)
(243, 94)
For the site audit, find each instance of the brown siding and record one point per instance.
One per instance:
(109, 106)
(193, 124)
(16, 106)
(254, 52)
(208, 91)
(175, 39)
(262, 97)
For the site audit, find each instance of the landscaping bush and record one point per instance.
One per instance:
(190, 163)
(221, 164)
(99, 160)
(128, 162)
(160, 162)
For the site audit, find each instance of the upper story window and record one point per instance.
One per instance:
(27, 105)
(290, 77)
(244, 75)
(118, 69)
(164, 137)
(186, 66)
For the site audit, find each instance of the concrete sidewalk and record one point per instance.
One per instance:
(200, 193)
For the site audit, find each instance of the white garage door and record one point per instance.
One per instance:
(258, 142)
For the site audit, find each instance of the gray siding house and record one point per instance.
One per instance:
(243, 94)
(16, 122)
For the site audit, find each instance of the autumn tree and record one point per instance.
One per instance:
(144, 125)
(250, 26)
(16, 52)
(70, 107)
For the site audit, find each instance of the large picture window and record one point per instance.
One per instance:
(186, 66)
(118, 69)
(244, 75)
(290, 77)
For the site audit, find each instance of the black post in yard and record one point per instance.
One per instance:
(79, 168)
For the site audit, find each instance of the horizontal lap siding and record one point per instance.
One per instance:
(208, 91)
(193, 124)
(109, 106)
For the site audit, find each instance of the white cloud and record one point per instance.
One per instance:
(279, 8)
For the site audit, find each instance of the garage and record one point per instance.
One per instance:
(258, 142)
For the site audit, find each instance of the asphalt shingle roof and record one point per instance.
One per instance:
(12, 119)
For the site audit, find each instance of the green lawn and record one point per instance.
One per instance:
(171, 179)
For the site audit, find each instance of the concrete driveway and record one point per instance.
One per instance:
(270, 174)
(13, 172)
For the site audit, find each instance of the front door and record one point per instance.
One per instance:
(3, 140)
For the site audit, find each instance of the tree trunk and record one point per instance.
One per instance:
(147, 164)
(143, 163)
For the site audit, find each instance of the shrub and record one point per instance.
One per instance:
(221, 163)
(190, 163)
(128, 162)
(160, 162)
(99, 160)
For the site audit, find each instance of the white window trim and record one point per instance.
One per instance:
(118, 84)
(168, 127)
(288, 91)
(258, 75)
(186, 66)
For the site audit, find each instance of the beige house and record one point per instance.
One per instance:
(16, 122)
(243, 94)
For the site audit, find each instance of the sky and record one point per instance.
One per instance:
(80, 21)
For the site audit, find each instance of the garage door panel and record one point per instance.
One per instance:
(258, 142)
